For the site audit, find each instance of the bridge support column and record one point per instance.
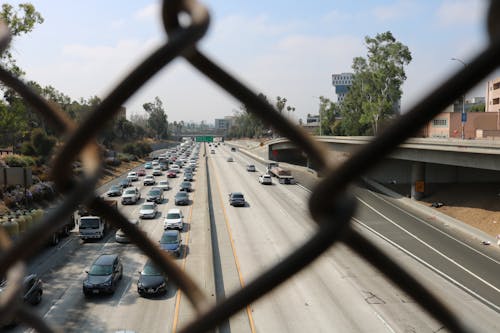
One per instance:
(417, 180)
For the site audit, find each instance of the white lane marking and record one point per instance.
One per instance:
(127, 288)
(433, 227)
(430, 247)
(426, 264)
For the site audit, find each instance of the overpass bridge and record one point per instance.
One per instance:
(418, 161)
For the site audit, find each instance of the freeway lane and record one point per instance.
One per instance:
(391, 305)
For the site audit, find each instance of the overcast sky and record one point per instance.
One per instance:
(278, 47)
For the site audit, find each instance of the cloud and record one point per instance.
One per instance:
(151, 11)
(459, 12)
(335, 16)
(397, 10)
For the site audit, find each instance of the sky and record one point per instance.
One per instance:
(278, 48)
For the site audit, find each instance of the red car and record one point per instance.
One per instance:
(171, 174)
(141, 172)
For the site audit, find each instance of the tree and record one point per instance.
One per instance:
(20, 21)
(157, 120)
(376, 87)
(478, 108)
(329, 113)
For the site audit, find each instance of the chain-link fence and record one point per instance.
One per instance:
(330, 204)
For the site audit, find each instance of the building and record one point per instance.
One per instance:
(342, 82)
(492, 99)
(479, 125)
(312, 124)
(221, 124)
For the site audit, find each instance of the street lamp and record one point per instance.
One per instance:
(463, 101)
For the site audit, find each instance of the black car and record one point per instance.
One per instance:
(152, 281)
(32, 289)
(125, 183)
(171, 241)
(114, 191)
(103, 275)
(236, 199)
(186, 186)
(181, 198)
(233, 149)
(155, 195)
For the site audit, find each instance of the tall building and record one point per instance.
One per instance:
(221, 124)
(492, 100)
(342, 82)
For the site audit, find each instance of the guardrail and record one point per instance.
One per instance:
(330, 205)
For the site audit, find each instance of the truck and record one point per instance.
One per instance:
(92, 226)
(18, 222)
(284, 175)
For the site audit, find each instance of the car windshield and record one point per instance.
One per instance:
(148, 206)
(173, 216)
(168, 239)
(101, 270)
(91, 223)
(129, 191)
(237, 196)
(186, 184)
(154, 192)
(151, 269)
(181, 194)
(114, 188)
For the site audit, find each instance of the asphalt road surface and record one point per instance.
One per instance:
(225, 247)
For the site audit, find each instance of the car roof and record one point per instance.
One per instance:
(105, 259)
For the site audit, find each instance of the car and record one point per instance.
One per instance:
(103, 275)
(114, 191)
(163, 184)
(152, 281)
(265, 179)
(155, 195)
(212, 151)
(236, 199)
(188, 176)
(230, 159)
(149, 180)
(233, 149)
(148, 210)
(181, 198)
(175, 167)
(157, 172)
(164, 166)
(186, 186)
(188, 169)
(174, 219)
(141, 172)
(148, 165)
(125, 182)
(132, 175)
(171, 241)
(131, 196)
(32, 288)
(171, 174)
(121, 236)
(251, 168)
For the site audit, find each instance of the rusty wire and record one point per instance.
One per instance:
(330, 205)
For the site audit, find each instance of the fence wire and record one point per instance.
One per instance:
(330, 204)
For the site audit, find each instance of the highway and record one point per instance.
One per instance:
(225, 247)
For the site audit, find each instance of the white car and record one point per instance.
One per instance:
(265, 179)
(121, 237)
(149, 180)
(164, 185)
(132, 175)
(175, 168)
(174, 219)
(131, 195)
(148, 211)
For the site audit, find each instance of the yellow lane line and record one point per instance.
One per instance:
(179, 292)
(236, 260)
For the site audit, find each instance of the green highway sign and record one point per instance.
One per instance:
(207, 138)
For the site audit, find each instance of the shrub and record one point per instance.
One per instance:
(42, 143)
(28, 149)
(112, 161)
(19, 161)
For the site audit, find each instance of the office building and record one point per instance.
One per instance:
(342, 82)
(492, 99)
